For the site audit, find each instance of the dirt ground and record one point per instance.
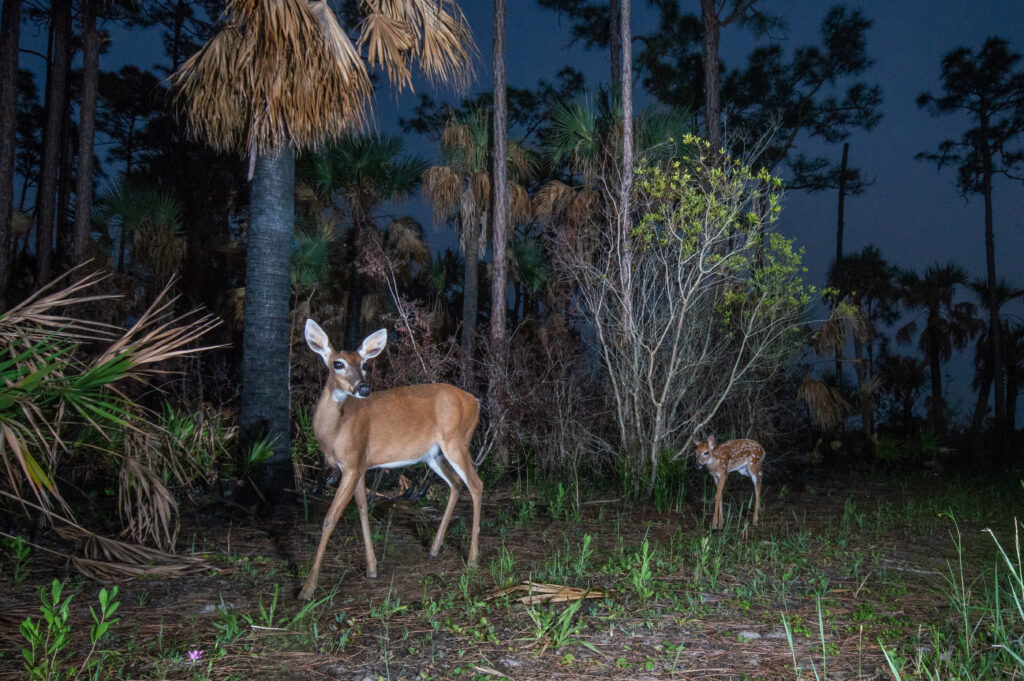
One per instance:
(833, 572)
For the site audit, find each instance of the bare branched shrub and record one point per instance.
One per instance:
(706, 319)
(413, 355)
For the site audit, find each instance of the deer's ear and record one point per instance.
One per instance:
(373, 344)
(711, 442)
(317, 341)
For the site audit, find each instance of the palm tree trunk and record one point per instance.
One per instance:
(867, 403)
(56, 80)
(266, 338)
(10, 31)
(499, 307)
(981, 405)
(935, 367)
(86, 131)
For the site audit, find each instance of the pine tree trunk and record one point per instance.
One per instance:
(994, 327)
(10, 31)
(354, 303)
(499, 307)
(56, 87)
(712, 96)
(86, 131)
(867, 403)
(470, 293)
(615, 44)
(625, 215)
(266, 409)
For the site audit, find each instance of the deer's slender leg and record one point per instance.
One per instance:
(476, 491)
(453, 498)
(341, 499)
(364, 521)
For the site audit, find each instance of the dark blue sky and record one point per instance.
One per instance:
(913, 212)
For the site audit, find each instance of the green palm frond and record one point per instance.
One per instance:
(530, 263)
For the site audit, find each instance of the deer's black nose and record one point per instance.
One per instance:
(363, 390)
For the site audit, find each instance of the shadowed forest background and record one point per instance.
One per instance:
(602, 260)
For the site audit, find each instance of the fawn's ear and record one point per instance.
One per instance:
(711, 442)
(317, 340)
(373, 344)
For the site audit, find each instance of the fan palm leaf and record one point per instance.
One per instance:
(256, 86)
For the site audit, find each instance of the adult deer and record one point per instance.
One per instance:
(357, 430)
(744, 456)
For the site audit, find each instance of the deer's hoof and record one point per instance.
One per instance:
(432, 555)
(306, 594)
(371, 574)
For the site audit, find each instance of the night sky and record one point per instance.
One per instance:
(913, 212)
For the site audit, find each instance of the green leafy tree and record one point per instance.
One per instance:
(987, 86)
(715, 312)
(802, 95)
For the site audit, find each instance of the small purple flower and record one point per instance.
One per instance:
(195, 655)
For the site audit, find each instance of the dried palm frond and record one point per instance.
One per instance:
(388, 41)
(456, 137)
(107, 559)
(154, 338)
(46, 383)
(406, 236)
(37, 318)
(520, 207)
(583, 207)
(551, 200)
(548, 593)
(279, 73)
(826, 404)
(441, 188)
(520, 164)
(148, 508)
(446, 49)
(480, 185)
(434, 32)
(845, 317)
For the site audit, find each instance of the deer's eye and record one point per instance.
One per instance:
(364, 367)
(339, 365)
